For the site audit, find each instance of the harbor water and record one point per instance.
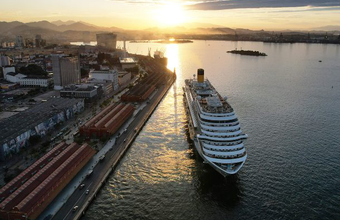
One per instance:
(289, 105)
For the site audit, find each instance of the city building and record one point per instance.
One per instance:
(7, 69)
(33, 81)
(107, 41)
(19, 42)
(104, 87)
(13, 95)
(106, 75)
(14, 77)
(128, 62)
(89, 93)
(66, 71)
(123, 77)
(28, 194)
(36, 81)
(16, 131)
(108, 121)
(5, 61)
(39, 42)
(8, 45)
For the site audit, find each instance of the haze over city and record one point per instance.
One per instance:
(142, 14)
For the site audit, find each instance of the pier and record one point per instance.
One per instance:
(78, 195)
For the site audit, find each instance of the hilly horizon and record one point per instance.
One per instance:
(66, 31)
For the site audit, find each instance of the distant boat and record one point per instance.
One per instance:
(320, 61)
(247, 52)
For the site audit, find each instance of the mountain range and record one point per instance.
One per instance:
(65, 31)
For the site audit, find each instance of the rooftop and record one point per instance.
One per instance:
(127, 60)
(14, 126)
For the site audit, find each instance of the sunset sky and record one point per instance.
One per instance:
(141, 14)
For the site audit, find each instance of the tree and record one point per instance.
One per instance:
(33, 69)
(84, 73)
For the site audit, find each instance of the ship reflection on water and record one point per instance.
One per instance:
(210, 185)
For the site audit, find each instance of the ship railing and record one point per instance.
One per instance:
(219, 125)
(226, 157)
(227, 131)
(223, 136)
(223, 143)
(224, 150)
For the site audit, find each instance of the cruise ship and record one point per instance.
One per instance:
(213, 126)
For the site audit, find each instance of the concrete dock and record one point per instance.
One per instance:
(81, 197)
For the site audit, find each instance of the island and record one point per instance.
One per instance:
(247, 52)
(174, 41)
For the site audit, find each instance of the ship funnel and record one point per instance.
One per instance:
(200, 75)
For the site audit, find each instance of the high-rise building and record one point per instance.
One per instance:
(66, 70)
(39, 42)
(107, 41)
(5, 61)
(19, 42)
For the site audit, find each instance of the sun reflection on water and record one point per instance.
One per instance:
(173, 59)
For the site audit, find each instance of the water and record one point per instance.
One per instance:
(289, 105)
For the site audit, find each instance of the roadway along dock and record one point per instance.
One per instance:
(84, 191)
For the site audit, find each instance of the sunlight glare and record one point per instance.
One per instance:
(170, 14)
(173, 59)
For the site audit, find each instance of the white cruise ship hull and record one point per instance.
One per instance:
(219, 144)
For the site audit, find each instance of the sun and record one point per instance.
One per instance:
(170, 14)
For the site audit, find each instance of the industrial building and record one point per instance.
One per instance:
(27, 195)
(107, 41)
(89, 93)
(108, 121)
(146, 87)
(66, 70)
(16, 131)
(138, 93)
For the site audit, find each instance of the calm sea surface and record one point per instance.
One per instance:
(289, 105)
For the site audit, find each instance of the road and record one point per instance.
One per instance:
(102, 169)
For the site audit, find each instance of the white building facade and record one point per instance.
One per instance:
(5, 61)
(36, 81)
(106, 75)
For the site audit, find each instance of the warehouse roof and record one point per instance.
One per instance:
(16, 125)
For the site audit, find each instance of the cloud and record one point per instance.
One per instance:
(248, 4)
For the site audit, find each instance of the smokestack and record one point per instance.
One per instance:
(200, 75)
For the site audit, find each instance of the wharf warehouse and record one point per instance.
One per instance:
(108, 121)
(16, 130)
(146, 87)
(28, 194)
